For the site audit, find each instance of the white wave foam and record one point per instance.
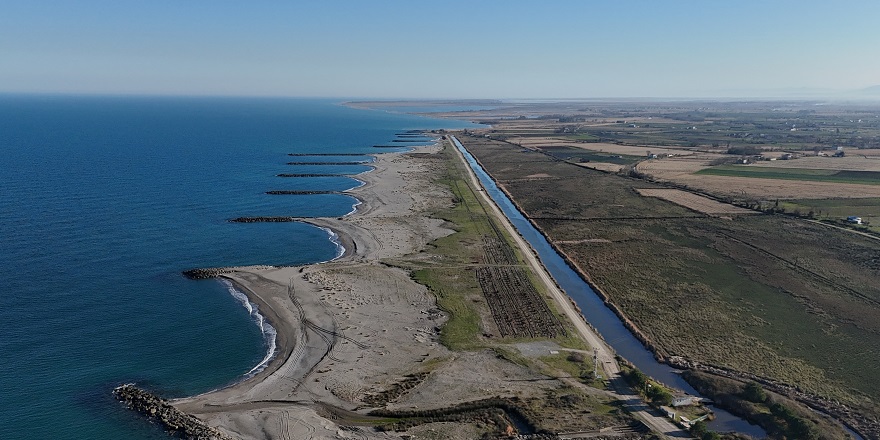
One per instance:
(269, 332)
(354, 208)
(360, 183)
(334, 238)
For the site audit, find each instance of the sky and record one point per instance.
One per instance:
(439, 49)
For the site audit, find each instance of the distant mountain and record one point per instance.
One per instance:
(873, 91)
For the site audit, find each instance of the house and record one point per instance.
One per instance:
(854, 220)
(684, 401)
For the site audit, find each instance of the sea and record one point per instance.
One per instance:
(104, 200)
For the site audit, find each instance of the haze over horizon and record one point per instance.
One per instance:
(449, 50)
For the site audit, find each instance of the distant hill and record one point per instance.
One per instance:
(873, 91)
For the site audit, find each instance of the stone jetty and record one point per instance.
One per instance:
(353, 162)
(325, 154)
(207, 273)
(176, 422)
(310, 175)
(299, 193)
(264, 219)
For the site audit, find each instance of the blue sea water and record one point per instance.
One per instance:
(105, 200)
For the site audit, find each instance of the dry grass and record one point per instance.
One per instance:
(602, 166)
(667, 169)
(631, 150)
(693, 201)
(602, 147)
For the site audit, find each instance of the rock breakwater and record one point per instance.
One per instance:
(298, 193)
(203, 273)
(324, 154)
(309, 175)
(172, 419)
(263, 219)
(350, 162)
(206, 273)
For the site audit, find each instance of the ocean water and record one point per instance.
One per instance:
(105, 200)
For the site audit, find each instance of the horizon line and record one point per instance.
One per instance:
(500, 100)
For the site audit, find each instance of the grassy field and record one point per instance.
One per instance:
(448, 269)
(858, 177)
(579, 154)
(838, 209)
(782, 298)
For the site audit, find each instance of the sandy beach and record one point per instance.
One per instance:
(359, 327)
(354, 326)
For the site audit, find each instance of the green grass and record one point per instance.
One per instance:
(462, 330)
(838, 209)
(562, 362)
(861, 177)
(581, 137)
(454, 285)
(576, 154)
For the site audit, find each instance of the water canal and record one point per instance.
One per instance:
(594, 310)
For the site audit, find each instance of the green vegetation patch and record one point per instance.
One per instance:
(861, 177)
(582, 155)
(781, 417)
(837, 210)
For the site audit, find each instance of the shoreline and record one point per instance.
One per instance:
(347, 247)
(313, 322)
(355, 327)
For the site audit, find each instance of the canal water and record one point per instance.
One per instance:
(595, 311)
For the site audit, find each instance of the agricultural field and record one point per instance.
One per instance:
(581, 155)
(813, 175)
(694, 202)
(856, 161)
(782, 298)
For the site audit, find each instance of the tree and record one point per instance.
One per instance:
(699, 429)
(753, 392)
(659, 396)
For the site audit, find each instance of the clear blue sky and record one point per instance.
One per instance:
(438, 49)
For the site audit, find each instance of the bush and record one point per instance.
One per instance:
(753, 392)
(659, 396)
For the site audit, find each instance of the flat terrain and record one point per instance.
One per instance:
(694, 202)
(785, 299)
(804, 174)
(433, 325)
(698, 173)
(789, 296)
